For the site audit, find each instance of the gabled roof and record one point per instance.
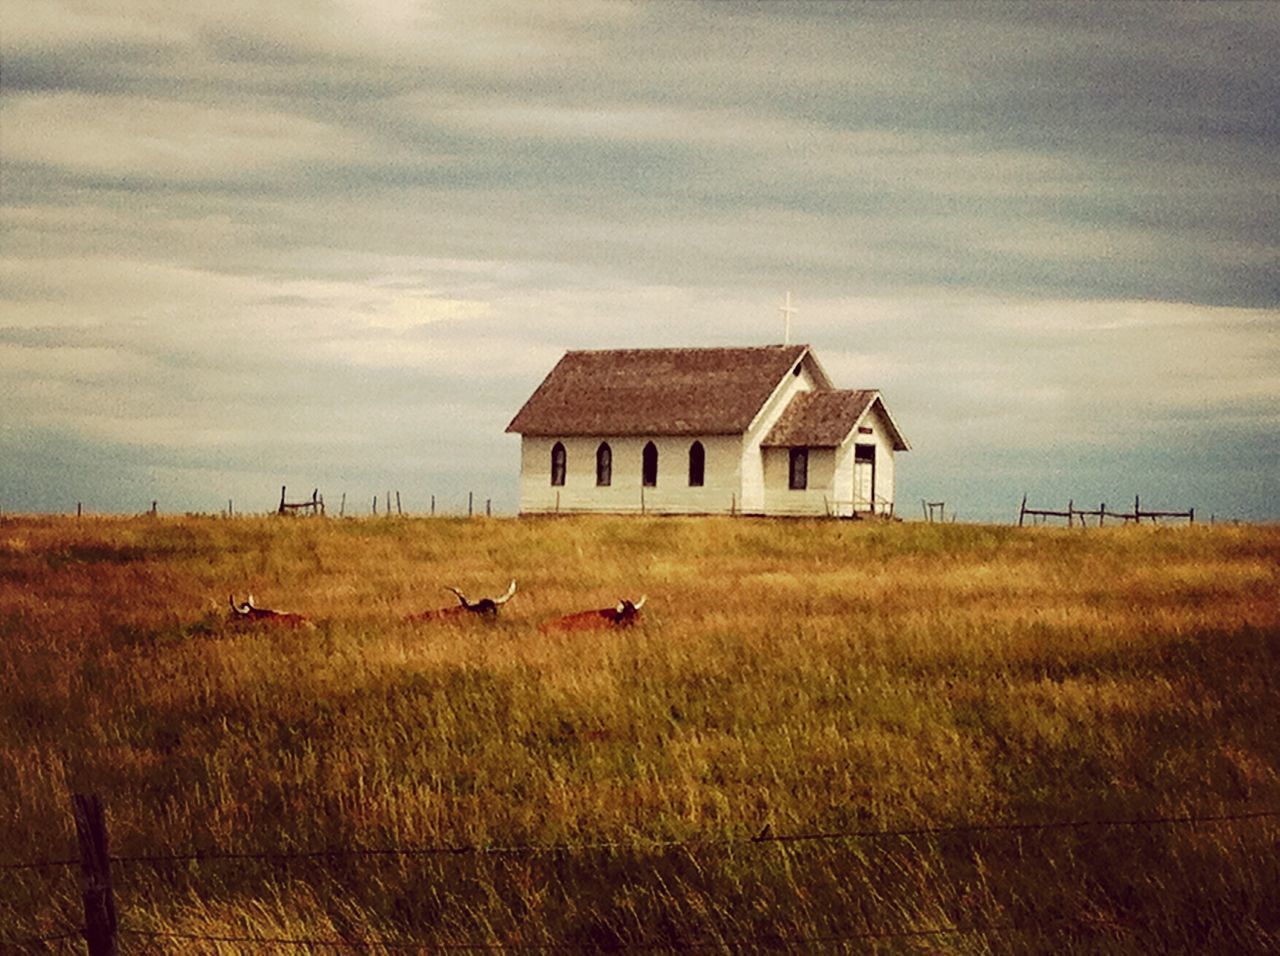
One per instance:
(824, 418)
(716, 391)
(821, 419)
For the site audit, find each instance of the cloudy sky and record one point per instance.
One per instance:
(337, 243)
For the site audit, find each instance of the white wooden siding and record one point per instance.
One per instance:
(754, 479)
(781, 499)
(672, 494)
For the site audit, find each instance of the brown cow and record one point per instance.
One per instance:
(486, 607)
(624, 614)
(247, 612)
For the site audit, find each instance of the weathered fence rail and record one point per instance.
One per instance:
(314, 505)
(1101, 513)
(938, 508)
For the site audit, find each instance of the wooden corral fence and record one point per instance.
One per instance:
(389, 504)
(935, 511)
(314, 506)
(1101, 513)
(469, 504)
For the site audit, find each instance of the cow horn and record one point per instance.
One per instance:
(249, 603)
(511, 590)
(238, 609)
(462, 598)
(640, 603)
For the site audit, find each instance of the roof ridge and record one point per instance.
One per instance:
(689, 348)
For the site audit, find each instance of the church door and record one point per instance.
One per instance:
(864, 477)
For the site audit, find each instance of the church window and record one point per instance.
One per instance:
(697, 464)
(604, 465)
(649, 465)
(799, 475)
(557, 464)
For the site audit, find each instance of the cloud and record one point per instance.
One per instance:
(133, 138)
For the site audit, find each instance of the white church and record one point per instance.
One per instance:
(756, 431)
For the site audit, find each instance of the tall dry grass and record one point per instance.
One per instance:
(801, 676)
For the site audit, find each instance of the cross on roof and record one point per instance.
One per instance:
(787, 311)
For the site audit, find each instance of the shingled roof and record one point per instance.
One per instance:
(824, 419)
(715, 391)
(820, 419)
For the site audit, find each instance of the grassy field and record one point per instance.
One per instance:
(790, 678)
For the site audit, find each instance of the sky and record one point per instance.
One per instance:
(337, 244)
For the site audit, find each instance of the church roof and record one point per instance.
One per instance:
(711, 391)
(824, 419)
(821, 419)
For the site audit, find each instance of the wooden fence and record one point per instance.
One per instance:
(314, 505)
(935, 511)
(1101, 514)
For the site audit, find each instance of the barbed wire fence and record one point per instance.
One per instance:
(101, 927)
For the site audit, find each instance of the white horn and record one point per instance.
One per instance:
(511, 589)
(462, 598)
(640, 603)
(238, 609)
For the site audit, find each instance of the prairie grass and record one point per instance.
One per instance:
(804, 676)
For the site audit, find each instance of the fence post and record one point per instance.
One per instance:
(100, 920)
(78, 505)
(471, 496)
(398, 511)
(1022, 512)
(342, 507)
(433, 506)
(488, 507)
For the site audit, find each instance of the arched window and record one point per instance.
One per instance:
(557, 464)
(649, 463)
(799, 469)
(697, 464)
(604, 465)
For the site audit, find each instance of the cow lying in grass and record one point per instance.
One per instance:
(485, 607)
(246, 612)
(624, 614)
